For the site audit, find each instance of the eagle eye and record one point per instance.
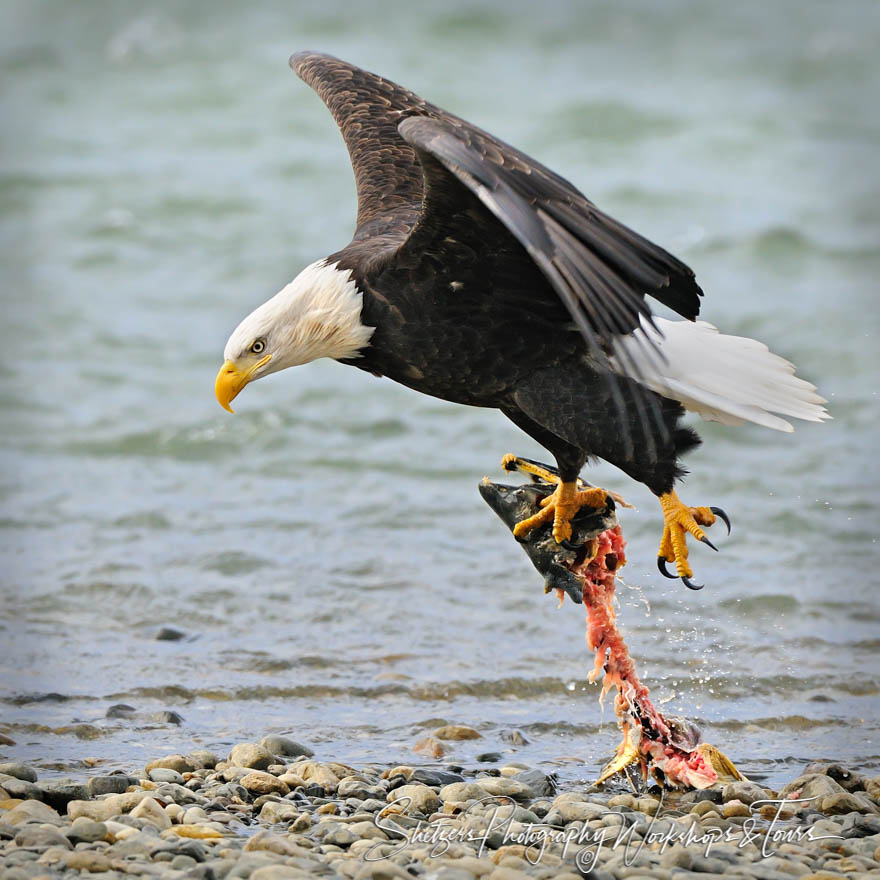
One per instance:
(258, 346)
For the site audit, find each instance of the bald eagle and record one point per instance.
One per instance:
(479, 276)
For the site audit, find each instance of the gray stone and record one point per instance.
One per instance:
(58, 793)
(844, 802)
(539, 782)
(284, 746)
(843, 776)
(460, 792)
(21, 788)
(84, 830)
(744, 791)
(37, 837)
(430, 776)
(120, 710)
(504, 786)
(339, 835)
(421, 798)
(99, 785)
(19, 771)
(251, 756)
(165, 774)
(169, 634)
(203, 759)
(813, 786)
(352, 787)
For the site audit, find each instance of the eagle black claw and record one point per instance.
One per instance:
(708, 543)
(722, 515)
(691, 585)
(661, 565)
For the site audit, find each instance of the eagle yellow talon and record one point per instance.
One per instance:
(561, 507)
(679, 519)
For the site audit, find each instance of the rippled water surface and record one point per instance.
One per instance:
(326, 552)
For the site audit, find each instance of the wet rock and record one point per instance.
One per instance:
(422, 799)
(848, 779)
(165, 774)
(169, 634)
(120, 710)
(353, 787)
(542, 784)
(202, 759)
(284, 746)
(41, 837)
(514, 737)
(743, 791)
(811, 786)
(457, 732)
(99, 785)
(250, 755)
(260, 782)
(430, 747)
(169, 716)
(21, 788)
(179, 763)
(58, 793)
(845, 802)
(430, 776)
(18, 771)
(489, 757)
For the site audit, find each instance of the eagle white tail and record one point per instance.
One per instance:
(727, 379)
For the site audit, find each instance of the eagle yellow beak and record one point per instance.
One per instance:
(230, 380)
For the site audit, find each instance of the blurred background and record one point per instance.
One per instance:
(324, 556)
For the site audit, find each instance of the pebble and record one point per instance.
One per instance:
(430, 746)
(457, 732)
(99, 785)
(422, 798)
(744, 791)
(230, 821)
(165, 774)
(282, 745)
(260, 782)
(18, 771)
(180, 763)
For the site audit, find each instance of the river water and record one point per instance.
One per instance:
(325, 552)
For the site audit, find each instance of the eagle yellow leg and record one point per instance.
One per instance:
(567, 499)
(678, 520)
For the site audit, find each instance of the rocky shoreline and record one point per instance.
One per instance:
(270, 811)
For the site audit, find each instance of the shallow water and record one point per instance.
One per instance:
(326, 551)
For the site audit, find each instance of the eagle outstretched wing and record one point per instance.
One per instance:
(410, 156)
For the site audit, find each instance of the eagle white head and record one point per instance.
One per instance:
(317, 315)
